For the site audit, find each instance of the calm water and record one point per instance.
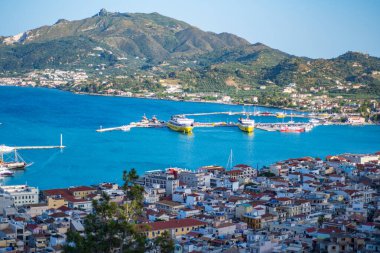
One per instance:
(32, 116)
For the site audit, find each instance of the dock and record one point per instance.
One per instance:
(8, 149)
(120, 128)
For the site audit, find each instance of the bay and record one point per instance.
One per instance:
(37, 116)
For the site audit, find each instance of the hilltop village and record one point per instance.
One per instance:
(296, 205)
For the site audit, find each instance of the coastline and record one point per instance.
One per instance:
(155, 98)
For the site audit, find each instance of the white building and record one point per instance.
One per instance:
(21, 194)
(194, 179)
(165, 180)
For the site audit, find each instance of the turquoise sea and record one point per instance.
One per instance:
(37, 116)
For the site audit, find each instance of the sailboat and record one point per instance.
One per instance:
(15, 163)
(291, 119)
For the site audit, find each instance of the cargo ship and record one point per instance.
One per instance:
(246, 125)
(180, 123)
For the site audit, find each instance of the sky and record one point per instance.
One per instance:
(311, 28)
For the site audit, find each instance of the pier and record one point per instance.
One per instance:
(38, 147)
(8, 149)
(120, 128)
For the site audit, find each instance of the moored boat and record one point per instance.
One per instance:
(314, 121)
(180, 123)
(4, 172)
(309, 127)
(246, 125)
(292, 129)
(15, 165)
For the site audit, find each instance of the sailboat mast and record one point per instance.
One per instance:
(231, 158)
(16, 156)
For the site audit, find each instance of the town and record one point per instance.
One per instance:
(315, 100)
(297, 205)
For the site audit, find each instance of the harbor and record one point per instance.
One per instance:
(94, 156)
(181, 123)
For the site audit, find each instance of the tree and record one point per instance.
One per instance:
(112, 227)
(267, 174)
(165, 243)
(134, 192)
(129, 177)
(321, 219)
(107, 230)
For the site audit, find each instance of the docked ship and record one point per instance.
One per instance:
(246, 125)
(180, 123)
(292, 129)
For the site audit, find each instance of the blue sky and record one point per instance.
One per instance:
(317, 29)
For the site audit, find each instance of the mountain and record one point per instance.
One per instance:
(145, 50)
(152, 36)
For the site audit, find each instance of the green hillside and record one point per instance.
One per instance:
(145, 49)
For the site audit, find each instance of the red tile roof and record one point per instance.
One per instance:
(242, 166)
(81, 188)
(311, 230)
(189, 222)
(329, 230)
(232, 172)
(59, 215)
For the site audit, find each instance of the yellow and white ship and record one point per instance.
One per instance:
(180, 123)
(280, 115)
(246, 125)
